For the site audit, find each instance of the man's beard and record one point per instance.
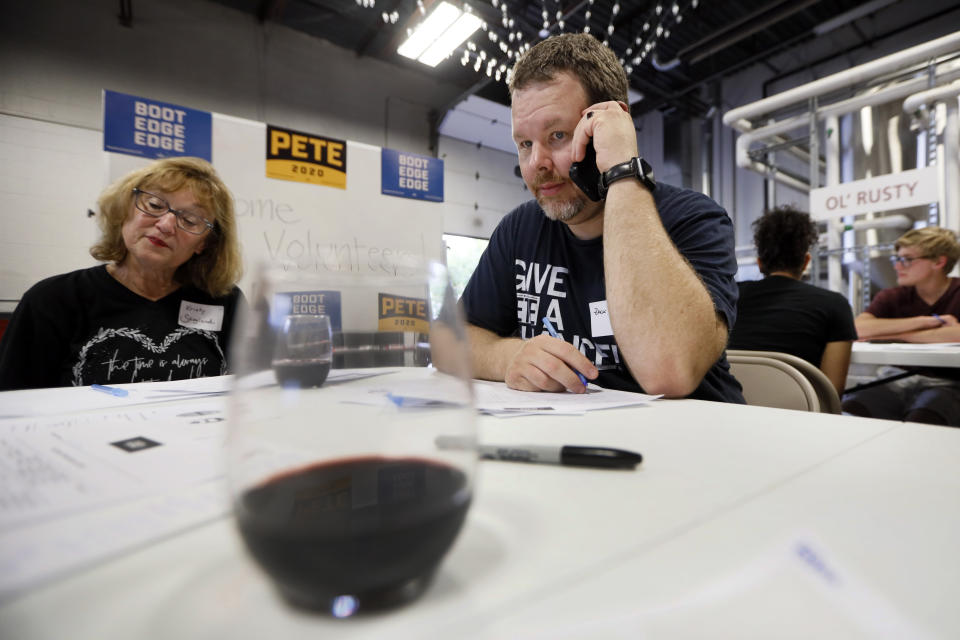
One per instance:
(559, 209)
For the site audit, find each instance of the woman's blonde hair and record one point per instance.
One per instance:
(218, 267)
(932, 242)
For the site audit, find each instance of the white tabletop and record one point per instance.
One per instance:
(741, 522)
(906, 354)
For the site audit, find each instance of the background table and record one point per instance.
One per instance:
(741, 522)
(904, 354)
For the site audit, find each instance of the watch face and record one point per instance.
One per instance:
(647, 171)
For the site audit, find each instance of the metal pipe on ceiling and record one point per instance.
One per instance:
(739, 117)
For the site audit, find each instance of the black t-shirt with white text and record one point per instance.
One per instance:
(535, 267)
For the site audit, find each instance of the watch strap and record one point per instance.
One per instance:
(635, 167)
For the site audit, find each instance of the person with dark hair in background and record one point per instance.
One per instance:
(924, 308)
(637, 283)
(782, 313)
(162, 307)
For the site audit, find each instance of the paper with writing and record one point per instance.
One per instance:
(600, 320)
(194, 315)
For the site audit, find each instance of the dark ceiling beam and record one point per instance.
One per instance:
(326, 10)
(721, 32)
(646, 106)
(741, 29)
(654, 97)
(270, 10)
(126, 13)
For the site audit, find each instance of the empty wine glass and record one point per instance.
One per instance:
(338, 488)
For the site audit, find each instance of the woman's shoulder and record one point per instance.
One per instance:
(72, 281)
(234, 296)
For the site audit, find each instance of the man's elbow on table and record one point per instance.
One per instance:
(675, 369)
(671, 379)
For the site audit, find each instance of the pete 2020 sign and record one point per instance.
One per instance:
(400, 313)
(305, 157)
(151, 129)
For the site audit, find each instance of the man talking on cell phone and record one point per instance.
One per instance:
(638, 286)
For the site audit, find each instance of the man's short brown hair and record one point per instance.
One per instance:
(932, 242)
(594, 64)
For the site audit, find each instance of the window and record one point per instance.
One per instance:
(463, 253)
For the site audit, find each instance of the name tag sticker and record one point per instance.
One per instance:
(600, 320)
(194, 315)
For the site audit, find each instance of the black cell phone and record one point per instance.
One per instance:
(586, 175)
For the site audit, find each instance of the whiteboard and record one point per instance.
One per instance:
(318, 228)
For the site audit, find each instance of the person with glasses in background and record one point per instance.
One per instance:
(160, 308)
(924, 308)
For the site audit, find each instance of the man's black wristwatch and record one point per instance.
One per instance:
(633, 168)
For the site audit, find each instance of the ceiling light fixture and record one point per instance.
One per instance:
(439, 34)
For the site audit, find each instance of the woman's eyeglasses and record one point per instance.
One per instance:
(155, 207)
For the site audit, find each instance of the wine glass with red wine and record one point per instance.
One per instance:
(338, 489)
(303, 352)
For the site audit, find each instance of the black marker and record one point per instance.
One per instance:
(570, 455)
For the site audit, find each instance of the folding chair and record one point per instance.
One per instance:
(769, 382)
(826, 392)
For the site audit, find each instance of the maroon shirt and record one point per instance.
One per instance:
(903, 302)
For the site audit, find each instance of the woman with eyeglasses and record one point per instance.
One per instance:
(160, 308)
(924, 308)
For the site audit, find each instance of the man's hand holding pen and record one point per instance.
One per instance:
(544, 363)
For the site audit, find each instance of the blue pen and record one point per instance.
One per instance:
(553, 332)
(120, 393)
(939, 319)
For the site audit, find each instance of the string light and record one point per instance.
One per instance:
(509, 43)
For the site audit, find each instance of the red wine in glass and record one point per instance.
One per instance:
(303, 351)
(371, 530)
(310, 372)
